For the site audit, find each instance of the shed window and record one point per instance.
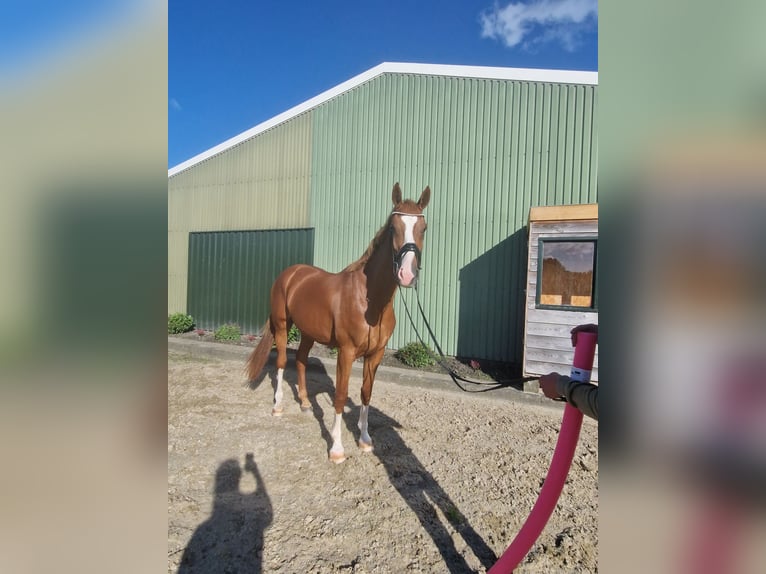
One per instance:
(566, 273)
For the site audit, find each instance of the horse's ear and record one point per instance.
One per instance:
(396, 194)
(425, 197)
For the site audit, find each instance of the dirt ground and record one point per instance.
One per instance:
(450, 482)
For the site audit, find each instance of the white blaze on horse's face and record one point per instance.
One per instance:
(408, 241)
(409, 267)
(409, 227)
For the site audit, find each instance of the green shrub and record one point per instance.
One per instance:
(416, 355)
(179, 323)
(227, 332)
(293, 335)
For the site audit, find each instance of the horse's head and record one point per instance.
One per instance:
(408, 227)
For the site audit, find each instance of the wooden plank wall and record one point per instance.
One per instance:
(547, 344)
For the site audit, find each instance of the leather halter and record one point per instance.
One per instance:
(407, 247)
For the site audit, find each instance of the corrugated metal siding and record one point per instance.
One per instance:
(548, 341)
(490, 150)
(178, 245)
(231, 273)
(263, 183)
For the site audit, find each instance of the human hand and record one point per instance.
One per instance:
(548, 385)
(589, 328)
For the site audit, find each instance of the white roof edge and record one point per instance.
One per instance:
(494, 73)
(487, 72)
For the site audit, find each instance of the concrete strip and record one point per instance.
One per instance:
(385, 374)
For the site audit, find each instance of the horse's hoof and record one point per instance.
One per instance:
(277, 412)
(306, 409)
(337, 457)
(365, 446)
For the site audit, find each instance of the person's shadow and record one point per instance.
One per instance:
(231, 540)
(408, 476)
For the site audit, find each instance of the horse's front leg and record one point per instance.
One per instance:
(345, 361)
(371, 363)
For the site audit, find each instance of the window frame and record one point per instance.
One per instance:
(594, 287)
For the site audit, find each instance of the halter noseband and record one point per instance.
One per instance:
(407, 247)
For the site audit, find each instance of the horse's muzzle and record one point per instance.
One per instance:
(406, 277)
(407, 264)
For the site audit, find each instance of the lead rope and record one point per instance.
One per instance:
(456, 378)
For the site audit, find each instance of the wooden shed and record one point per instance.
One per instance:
(561, 290)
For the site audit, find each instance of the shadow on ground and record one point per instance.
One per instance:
(414, 483)
(231, 540)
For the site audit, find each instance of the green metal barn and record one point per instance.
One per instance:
(314, 185)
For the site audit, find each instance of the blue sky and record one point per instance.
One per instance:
(234, 64)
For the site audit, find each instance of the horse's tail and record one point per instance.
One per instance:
(260, 354)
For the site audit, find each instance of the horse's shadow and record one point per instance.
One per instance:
(408, 476)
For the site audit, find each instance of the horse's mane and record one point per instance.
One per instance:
(376, 241)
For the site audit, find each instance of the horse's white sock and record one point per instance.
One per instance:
(278, 390)
(337, 446)
(363, 412)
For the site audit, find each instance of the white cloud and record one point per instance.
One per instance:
(540, 21)
(175, 105)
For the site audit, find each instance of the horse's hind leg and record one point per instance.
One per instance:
(280, 326)
(301, 359)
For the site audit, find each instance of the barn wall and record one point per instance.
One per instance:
(262, 183)
(489, 149)
(231, 273)
(548, 345)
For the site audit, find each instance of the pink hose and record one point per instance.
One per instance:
(560, 463)
(549, 494)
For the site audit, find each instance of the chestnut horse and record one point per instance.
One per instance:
(352, 310)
